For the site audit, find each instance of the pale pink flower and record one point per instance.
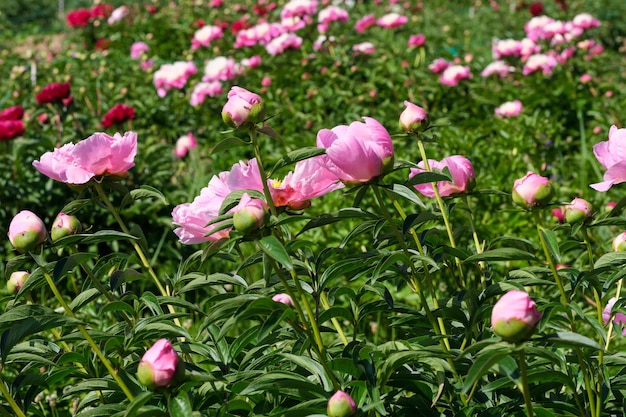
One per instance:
(413, 118)
(99, 154)
(527, 48)
(173, 76)
(537, 62)
(618, 318)
(184, 144)
(260, 34)
(515, 316)
(205, 35)
(585, 78)
(157, 367)
(26, 231)
(364, 23)
(461, 171)
(506, 47)
(146, 65)
(416, 40)
(439, 65)
(455, 73)
(535, 27)
(364, 48)
(298, 8)
(330, 14)
(118, 14)
(294, 23)
(509, 109)
(392, 20)
(532, 190)
(585, 21)
(220, 69)
(501, 68)
(137, 49)
(287, 40)
(612, 155)
(203, 90)
(283, 298)
(252, 62)
(358, 152)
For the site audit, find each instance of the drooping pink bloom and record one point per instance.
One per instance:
(184, 144)
(203, 90)
(392, 20)
(416, 40)
(439, 65)
(461, 171)
(99, 154)
(173, 76)
(509, 109)
(366, 48)
(540, 62)
(307, 181)
(137, 49)
(500, 68)
(279, 44)
(205, 35)
(358, 152)
(618, 318)
(364, 23)
(612, 155)
(455, 73)
(330, 14)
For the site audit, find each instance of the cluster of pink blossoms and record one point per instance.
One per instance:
(205, 35)
(173, 76)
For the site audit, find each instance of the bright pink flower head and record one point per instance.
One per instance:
(184, 144)
(618, 318)
(439, 65)
(416, 40)
(364, 23)
(585, 78)
(203, 90)
(252, 62)
(283, 298)
(455, 73)
(612, 155)
(461, 171)
(158, 366)
(260, 34)
(173, 76)
(78, 18)
(515, 316)
(619, 243)
(330, 14)
(205, 35)
(242, 107)
(341, 405)
(540, 62)
(299, 8)
(532, 190)
(137, 49)
(559, 214)
(27, 231)
(509, 109)
(99, 154)
(585, 21)
(413, 118)
(12, 113)
(506, 47)
(358, 152)
(392, 20)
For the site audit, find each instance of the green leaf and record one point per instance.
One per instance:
(137, 403)
(483, 363)
(295, 156)
(570, 339)
(502, 254)
(229, 142)
(275, 250)
(611, 259)
(146, 191)
(406, 193)
(552, 244)
(426, 177)
(329, 218)
(84, 298)
(180, 405)
(68, 263)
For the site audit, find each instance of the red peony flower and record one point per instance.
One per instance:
(117, 115)
(536, 8)
(53, 92)
(102, 44)
(239, 25)
(10, 129)
(78, 18)
(12, 113)
(101, 11)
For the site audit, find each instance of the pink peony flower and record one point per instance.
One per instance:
(515, 316)
(205, 35)
(10, 129)
(506, 47)
(358, 152)
(252, 62)
(117, 115)
(173, 76)
(341, 405)
(364, 23)
(392, 20)
(203, 90)
(532, 190)
(137, 49)
(260, 34)
(413, 118)
(439, 65)
(501, 68)
(158, 366)
(242, 107)
(99, 154)
(283, 298)
(12, 113)
(585, 21)
(366, 48)
(577, 211)
(249, 214)
(536, 62)
(618, 318)
(220, 69)
(455, 73)
(184, 144)
(27, 232)
(279, 44)
(619, 242)
(612, 155)
(509, 109)
(330, 14)
(461, 170)
(416, 40)
(118, 14)
(299, 8)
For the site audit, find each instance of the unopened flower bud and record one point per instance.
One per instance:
(341, 405)
(243, 107)
(16, 281)
(283, 298)
(250, 214)
(619, 243)
(65, 225)
(413, 118)
(160, 366)
(578, 211)
(515, 316)
(532, 190)
(27, 231)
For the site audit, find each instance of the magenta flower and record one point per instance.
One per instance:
(455, 73)
(509, 109)
(137, 49)
(416, 40)
(439, 65)
(612, 155)
(392, 20)
(515, 316)
(158, 366)
(358, 152)
(99, 154)
(260, 34)
(364, 23)
(461, 171)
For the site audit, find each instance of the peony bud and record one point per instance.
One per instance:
(619, 243)
(16, 281)
(413, 119)
(341, 405)
(26, 231)
(283, 298)
(515, 316)
(532, 190)
(250, 214)
(577, 211)
(65, 225)
(160, 366)
(559, 214)
(243, 107)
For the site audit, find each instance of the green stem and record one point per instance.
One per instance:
(7, 396)
(610, 331)
(309, 310)
(525, 389)
(84, 333)
(479, 247)
(334, 320)
(266, 189)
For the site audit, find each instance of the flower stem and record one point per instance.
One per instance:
(479, 247)
(7, 396)
(266, 189)
(326, 304)
(610, 331)
(525, 389)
